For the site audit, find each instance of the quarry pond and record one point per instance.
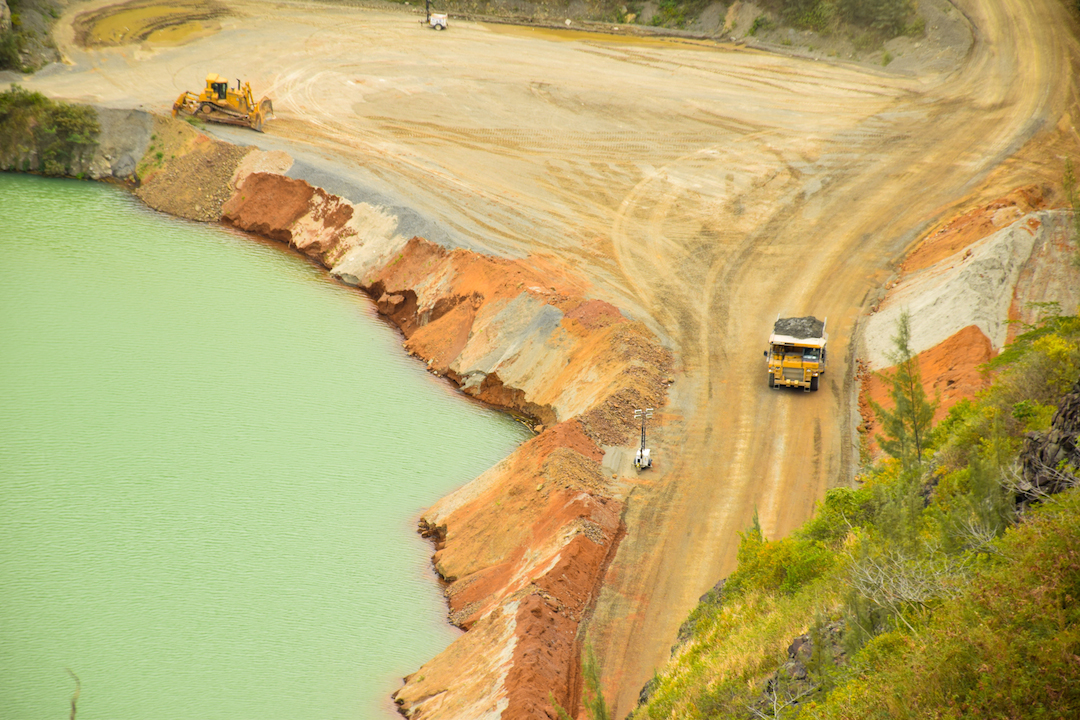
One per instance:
(212, 460)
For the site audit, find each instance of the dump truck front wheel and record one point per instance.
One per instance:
(772, 380)
(814, 383)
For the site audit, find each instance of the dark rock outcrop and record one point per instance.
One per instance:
(1051, 460)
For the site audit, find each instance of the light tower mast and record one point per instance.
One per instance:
(643, 460)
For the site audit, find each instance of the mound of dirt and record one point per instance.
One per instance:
(187, 174)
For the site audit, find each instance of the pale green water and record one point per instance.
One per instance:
(212, 459)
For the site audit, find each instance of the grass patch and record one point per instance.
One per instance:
(761, 22)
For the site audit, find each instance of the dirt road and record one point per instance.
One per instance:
(702, 188)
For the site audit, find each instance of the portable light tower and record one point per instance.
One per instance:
(643, 460)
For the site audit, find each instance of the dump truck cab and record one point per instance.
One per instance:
(797, 353)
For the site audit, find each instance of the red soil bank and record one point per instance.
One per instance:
(522, 548)
(291, 211)
(972, 226)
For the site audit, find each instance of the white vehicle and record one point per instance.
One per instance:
(434, 20)
(642, 461)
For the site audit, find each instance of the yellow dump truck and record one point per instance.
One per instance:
(797, 352)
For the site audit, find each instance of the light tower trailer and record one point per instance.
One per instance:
(797, 352)
(643, 458)
(437, 21)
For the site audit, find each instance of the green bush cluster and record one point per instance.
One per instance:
(883, 18)
(1004, 648)
(785, 566)
(38, 134)
(949, 606)
(11, 43)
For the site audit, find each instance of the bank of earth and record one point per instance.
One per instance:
(522, 548)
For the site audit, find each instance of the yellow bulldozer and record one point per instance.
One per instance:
(219, 103)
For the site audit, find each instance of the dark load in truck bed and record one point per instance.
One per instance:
(800, 327)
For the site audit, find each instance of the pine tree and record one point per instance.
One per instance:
(906, 428)
(1072, 196)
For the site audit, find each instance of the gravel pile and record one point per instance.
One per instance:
(799, 327)
(195, 185)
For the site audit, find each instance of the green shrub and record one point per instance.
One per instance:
(1006, 647)
(781, 566)
(886, 17)
(11, 42)
(842, 510)
(761, 22)
(58, 134)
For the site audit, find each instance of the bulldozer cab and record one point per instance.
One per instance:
(217, 87)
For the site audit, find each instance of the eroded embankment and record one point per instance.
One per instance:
(523, 547)
(969, 288)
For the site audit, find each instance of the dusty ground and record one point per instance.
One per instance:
(704, 189)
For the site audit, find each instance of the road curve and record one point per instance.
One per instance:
(743, 446)
(702, 188)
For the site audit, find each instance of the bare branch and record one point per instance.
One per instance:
(896, 582)
(75, 697)
(779, 703)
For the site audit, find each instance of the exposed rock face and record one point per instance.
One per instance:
(125, 135)
(1051, 460)
(523, 547)
(516, 333)
(984, 268)
(963, 285)
(121, 140)
(963, 231)
(36, 18)
(318, 224)
(527, 542)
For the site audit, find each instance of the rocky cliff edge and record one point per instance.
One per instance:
(521, 549)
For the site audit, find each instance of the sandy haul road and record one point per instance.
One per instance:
(704, 189)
